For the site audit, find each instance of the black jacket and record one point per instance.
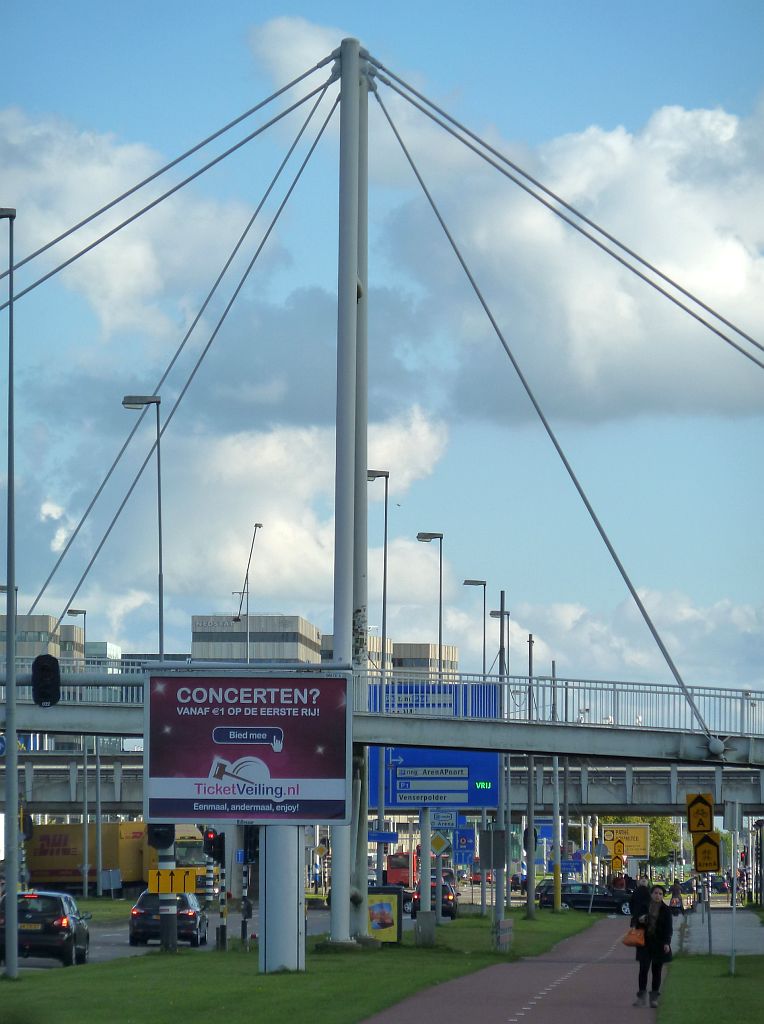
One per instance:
(655, 941)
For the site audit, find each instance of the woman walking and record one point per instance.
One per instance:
(658, 926)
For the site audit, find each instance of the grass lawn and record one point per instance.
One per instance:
(700, 988)
(338, 987)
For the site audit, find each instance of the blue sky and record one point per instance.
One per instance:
(647, 116)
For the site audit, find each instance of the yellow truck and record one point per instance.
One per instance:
(54, 854)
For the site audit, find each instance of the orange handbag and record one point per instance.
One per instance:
(634, 937)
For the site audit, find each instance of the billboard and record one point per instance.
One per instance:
(261, 749)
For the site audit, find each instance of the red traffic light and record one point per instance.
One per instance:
(210, 835)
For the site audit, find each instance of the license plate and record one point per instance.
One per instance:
(25, 927)
(155, 917)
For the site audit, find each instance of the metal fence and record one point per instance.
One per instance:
(605, 703)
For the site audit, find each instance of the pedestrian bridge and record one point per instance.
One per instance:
(614, 720)
(52, 783)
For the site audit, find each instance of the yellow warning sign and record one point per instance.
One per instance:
(627, 840)
(700, 812)
(172, 880)
(707, 847)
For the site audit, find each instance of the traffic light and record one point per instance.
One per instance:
(46, 680)
(161, 837)
(526, 837)
(218, 848)
(251, 843)
(210, 834)
(744, 855)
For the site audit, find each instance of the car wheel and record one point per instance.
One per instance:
(82, 955)
(564, 906)
(203, 939)
(69, 957)
(407, 907)
(133, 941)
(626, 909)
(196, 938)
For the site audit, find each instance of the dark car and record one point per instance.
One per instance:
(520, 882)
(580, 895)
(449, 900)
(145, 919)
(50, 925)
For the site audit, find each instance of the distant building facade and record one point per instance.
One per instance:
(271, 638)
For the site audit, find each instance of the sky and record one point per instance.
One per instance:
(646, 117)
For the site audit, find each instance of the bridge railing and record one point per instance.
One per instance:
(606, 703)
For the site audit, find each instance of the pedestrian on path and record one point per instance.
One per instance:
(676, 903)
(656, 951)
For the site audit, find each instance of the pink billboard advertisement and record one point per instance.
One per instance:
(262, 749)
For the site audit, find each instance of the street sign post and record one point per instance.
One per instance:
(441, 779)
(439, 844)
(707, 850)
(168, 880)
(700, 812)
(627, 840)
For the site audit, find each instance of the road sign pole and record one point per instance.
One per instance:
(168, 904)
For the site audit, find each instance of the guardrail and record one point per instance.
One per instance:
(540, 699)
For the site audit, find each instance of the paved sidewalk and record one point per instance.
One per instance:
(749, 932)
(590, 978)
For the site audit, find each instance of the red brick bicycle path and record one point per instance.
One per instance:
(590, 978)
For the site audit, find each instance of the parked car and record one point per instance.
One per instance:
(449, 900)
(50, 925)
(476, 877)
(719, 884)
(145, 923)
(544, 886)
(580, 895)
(518, 881)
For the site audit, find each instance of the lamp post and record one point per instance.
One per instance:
(479, 583)
(245, 592)
(140, 402)
(85, 815)
(425, 538)
(81, 611)
(11, 753)
(384, 474)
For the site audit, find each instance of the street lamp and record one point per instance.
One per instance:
(425, 538)
(11, 753)
(140, 402)
(84, 614)
(502, 613)
(384, 474)
(245, 591)
(479, 583)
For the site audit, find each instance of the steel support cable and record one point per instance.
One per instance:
(577, 227)
(547, 427)
(181, 346)
(168, 193)
(558, 199)
(172, 163)
(199, 361)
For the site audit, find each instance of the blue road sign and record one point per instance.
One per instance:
(464, 841)
(2, 745)
(420, 777)
(382, 837)
(570, 866)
